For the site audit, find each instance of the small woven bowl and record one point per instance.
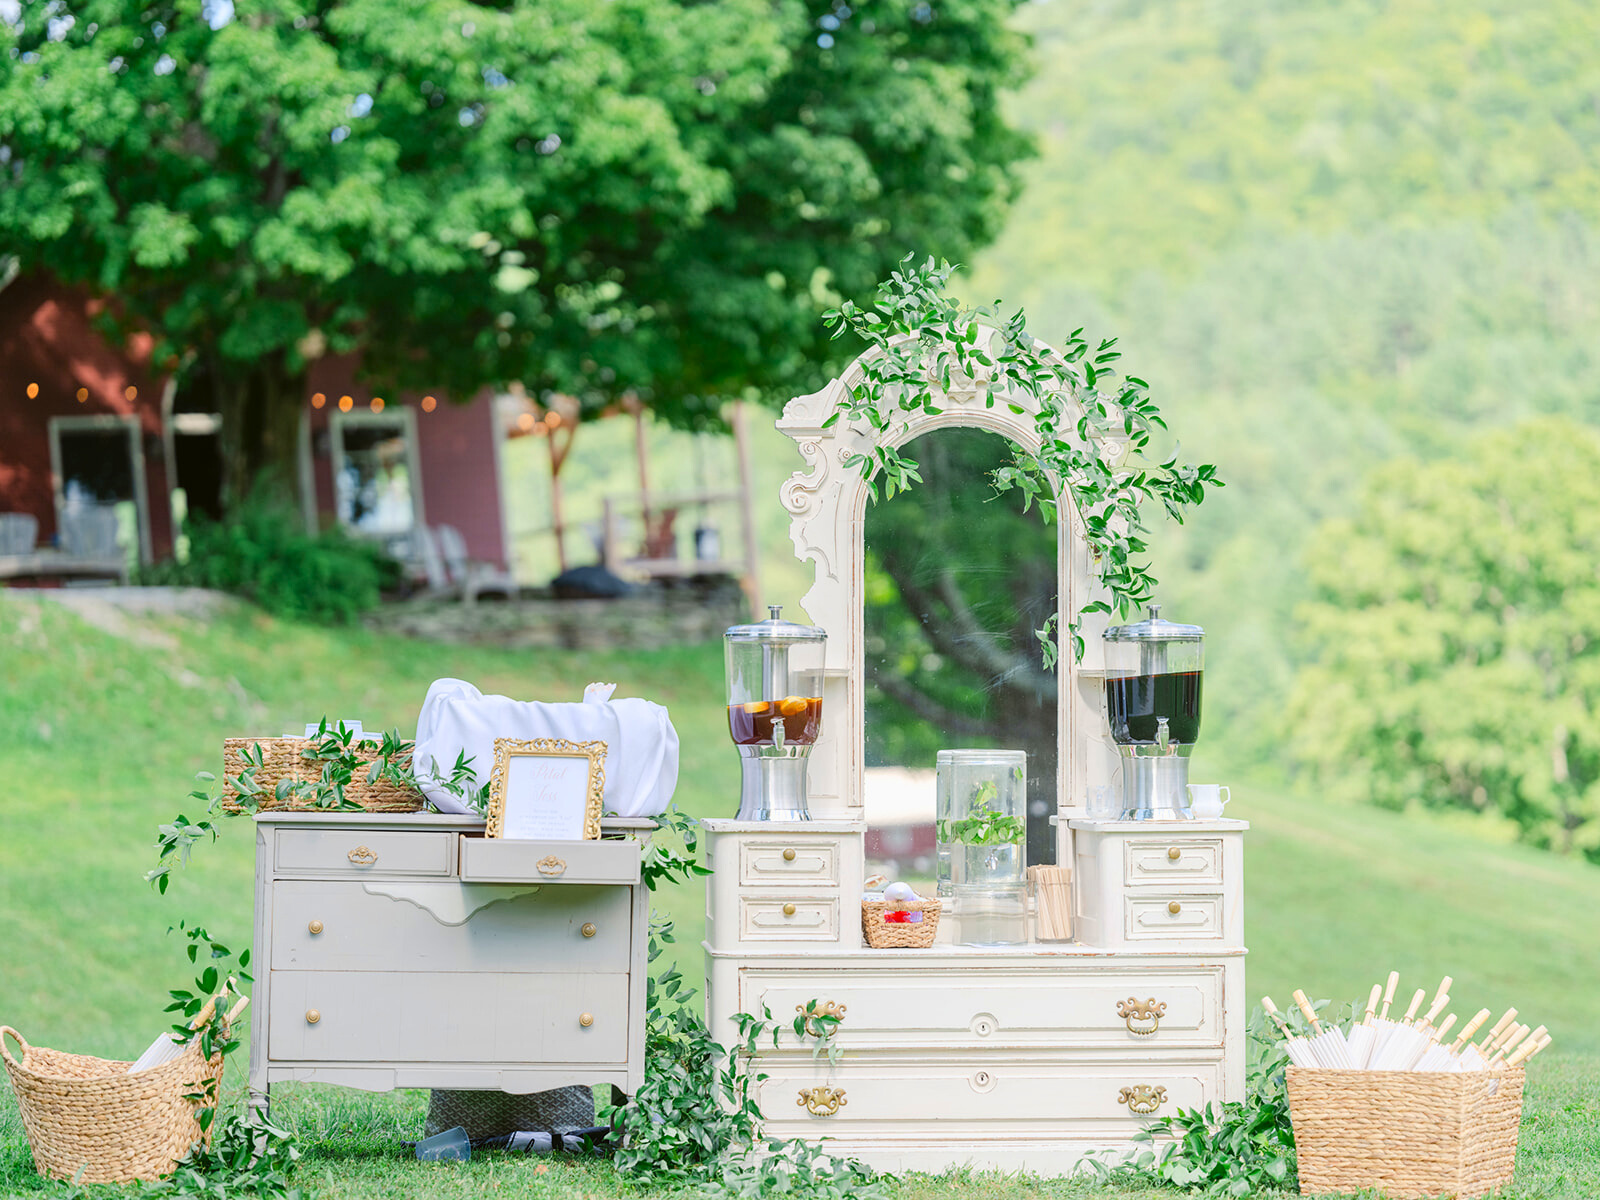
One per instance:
(893, 935)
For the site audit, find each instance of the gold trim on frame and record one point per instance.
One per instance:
(505, 749)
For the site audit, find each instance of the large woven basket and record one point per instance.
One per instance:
(1406, 1133)
(284, 758)
(899, 935)
(89, 1114)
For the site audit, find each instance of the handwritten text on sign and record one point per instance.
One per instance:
(546, 796)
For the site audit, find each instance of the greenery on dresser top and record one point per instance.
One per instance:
(927, 344)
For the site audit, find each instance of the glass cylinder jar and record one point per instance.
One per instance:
(981, 818)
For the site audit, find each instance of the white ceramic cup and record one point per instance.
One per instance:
(1206, 800)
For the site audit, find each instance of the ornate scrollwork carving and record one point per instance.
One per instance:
(1143, 1016)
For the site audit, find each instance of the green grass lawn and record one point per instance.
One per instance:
(102, 726)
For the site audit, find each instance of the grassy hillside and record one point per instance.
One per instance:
(107, 720)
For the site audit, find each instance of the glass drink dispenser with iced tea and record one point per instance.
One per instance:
(1153, 675)
(774, 712)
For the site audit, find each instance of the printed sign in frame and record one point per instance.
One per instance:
(546, 789)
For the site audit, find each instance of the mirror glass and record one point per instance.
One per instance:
(958, 579)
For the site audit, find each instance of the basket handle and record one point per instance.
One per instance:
(21, 1041)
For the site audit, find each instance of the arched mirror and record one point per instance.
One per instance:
(958, 578)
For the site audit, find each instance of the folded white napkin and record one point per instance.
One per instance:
(641, 744)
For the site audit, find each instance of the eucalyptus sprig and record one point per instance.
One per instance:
(927, 345)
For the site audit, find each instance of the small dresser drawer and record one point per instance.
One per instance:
(810, 861)
(1173, 917)
(984, 1010)
(424, 1017)
(514, 860)
(802, 1098)
(337, 853)
(444, 925)
(794, 919)
(1168, 861)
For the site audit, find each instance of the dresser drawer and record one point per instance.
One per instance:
(513, 860)
(803, 1098)
(443, 925)
(808, 861)
(976, 1009)
(352, 852)
(422, 1017)
(1180, 917)
(1168, 861)
(793, 919)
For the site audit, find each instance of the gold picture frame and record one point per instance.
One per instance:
(546, 810)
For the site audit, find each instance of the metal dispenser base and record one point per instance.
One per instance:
(773, 784)
(1155, 783)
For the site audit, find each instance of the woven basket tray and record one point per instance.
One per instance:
(282, 758)
(1408, 1133)
(893, 935)
(84, 1112)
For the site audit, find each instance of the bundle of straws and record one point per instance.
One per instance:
(1411, 1043)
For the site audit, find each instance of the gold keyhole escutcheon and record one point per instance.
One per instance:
(1143, 1097)
(1174, 853)
(315, 927)
(1143, 1017)
(588, 929)
(822, 1101)
(312, 1016)
(788, 855)
(788, 910)
(1174, 908)
(586, 1019)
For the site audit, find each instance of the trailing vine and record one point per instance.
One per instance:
(926, 343)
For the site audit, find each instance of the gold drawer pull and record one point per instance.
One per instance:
(822, 1101)
(788, 910)
(586, 1019)
(1174, 908)
(588, 929)
(1174, 853)
(788, 855)
(830, 1012)
(314, 927)
(551, 865)
(1143, 1097)
(1143, 1017)
(312, 1016)
(362, 857)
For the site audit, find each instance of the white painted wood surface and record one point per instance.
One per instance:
(381, 962)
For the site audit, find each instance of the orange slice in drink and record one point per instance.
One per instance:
(756, 707)
(792, 706)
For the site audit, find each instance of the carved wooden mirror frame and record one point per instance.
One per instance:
(828, 504)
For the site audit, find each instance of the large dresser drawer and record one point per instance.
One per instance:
(443, 925)
(513, 860)
(423, 1017)
(801, 1098)
(336, 853)
(975, 1009)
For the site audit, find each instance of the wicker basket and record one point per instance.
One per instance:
(896, 935)
(282, 758)
(90, 1114)
(1407, 1133)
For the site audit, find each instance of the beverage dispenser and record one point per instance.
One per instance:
(1153, 676)
(774, 712)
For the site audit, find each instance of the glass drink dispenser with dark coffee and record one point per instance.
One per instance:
(774, 712)
(1153, 675)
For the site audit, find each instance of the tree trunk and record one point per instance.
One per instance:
(262, 405)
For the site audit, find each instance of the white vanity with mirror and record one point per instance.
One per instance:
(1023, 1056)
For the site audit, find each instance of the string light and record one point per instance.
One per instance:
(131, 392)
(346, 403)
(525, 422)
(429, 404)
(33, 391)
(553, 418)
(83, 394)
(318, 399)
(377, 404)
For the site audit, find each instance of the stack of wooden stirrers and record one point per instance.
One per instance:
(1411, 1043)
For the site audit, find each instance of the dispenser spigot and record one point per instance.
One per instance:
(1163, 738)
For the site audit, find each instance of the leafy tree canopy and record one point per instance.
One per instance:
(596, 197)
(1457, 630)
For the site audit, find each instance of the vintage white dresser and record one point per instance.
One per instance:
(408, 950)
(1014, 1057)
